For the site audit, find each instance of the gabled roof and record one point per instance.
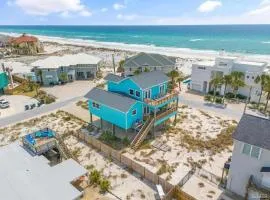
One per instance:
(144, 80)
(23, 38)
(150, 79)
(113, 78)
(253, 130)
(110, 99)
(149, 59)
(54, 62)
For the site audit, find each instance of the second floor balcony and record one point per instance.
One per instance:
(161, 99)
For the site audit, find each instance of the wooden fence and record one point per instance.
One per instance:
(121, 158)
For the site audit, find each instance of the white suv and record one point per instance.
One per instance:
(4, 104)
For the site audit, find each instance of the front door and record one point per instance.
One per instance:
(146, 110)
(147, 94)
(204, 86)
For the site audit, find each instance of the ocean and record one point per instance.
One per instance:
(240, 39)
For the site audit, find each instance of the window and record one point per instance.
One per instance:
(256, 151)
(138, 94)
(131, 92)
(246, 149)
(252, 151)
(134, 112)
(96, 105)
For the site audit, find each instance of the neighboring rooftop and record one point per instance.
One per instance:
(26, 177)
(149, 59)
(209, 63)
(253, 130)
(149, 79)
(113, 100)
(245, 62)
(66, 60)
(144, 80)
(18, 67)
(23, 38)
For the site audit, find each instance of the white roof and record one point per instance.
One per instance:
(27, 177)
(244, 62)
(18, 67)
(206, 63)
(66, 60)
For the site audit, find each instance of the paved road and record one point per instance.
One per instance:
(35, 112)
(235, 112)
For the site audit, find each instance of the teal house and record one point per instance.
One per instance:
(139, 103)
(3, 81)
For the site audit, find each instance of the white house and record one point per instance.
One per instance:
(249, 171)
(203, 72)
(29, 177)
(77, 67)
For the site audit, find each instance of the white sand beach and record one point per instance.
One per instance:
(105, 50)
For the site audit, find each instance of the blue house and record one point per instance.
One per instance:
(139, 102)
(3, 81)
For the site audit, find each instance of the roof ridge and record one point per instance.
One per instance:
(167, 58)
(150, 55)
(133, 57)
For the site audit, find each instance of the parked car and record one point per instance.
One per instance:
(4, 104)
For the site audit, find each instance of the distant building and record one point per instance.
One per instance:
(249, 173)
(138, 102)
(74, 67)
(149, 61)
(203, 73)
(26, 45)
(26, 177)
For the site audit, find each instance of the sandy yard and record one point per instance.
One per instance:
(199, 139)
(124, 184)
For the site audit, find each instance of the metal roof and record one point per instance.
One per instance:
(28, 177)
(113, 78)
(253, 130)
(148, 59)
(113, 100)
(150, 79)
(66, 60)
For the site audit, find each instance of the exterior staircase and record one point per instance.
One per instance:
(64, 151)
(142, 133)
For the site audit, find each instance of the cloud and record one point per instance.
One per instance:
(9, 3)
(85, 13)
(126, 17)
(46, 7)
(118, 6)
(264, 8)
(209, 6)
(104, 9)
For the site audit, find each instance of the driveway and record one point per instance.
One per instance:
(234, 111)
(17, 103)
(70, 90)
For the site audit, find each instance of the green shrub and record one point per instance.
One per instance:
(240, 96)
(229, 95)
(104, 185)
(208, 98)
(219, 100)
(94, 177)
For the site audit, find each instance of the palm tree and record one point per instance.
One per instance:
(173, 74)
(179, 79)
(262, 80)
(227, 79)
(237, 81)
(216, 82)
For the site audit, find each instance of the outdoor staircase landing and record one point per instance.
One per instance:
(142, 133)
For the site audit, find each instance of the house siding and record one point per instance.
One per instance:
(243, 166)
(123, 88)
(131, 119)
(108, 114)
(3, 80)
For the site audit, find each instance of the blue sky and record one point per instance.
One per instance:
(133, 12)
